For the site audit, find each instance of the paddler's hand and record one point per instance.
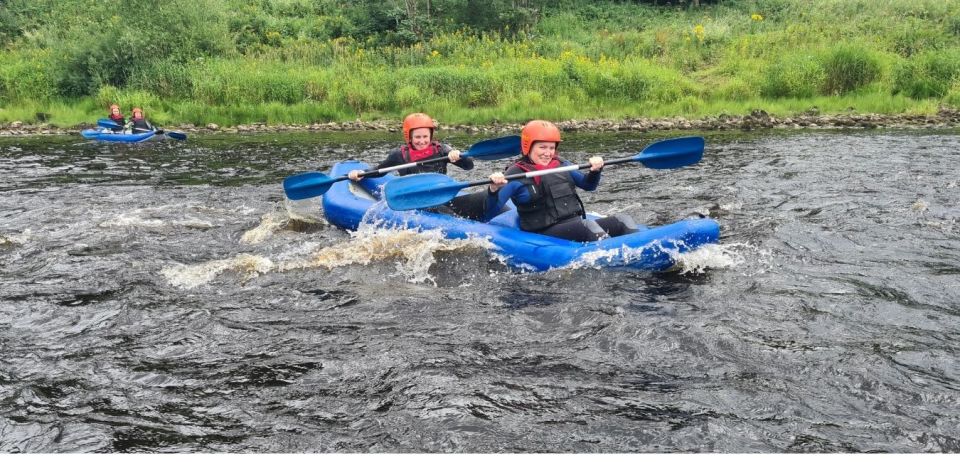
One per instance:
(596, 163)
(454, 156)
(354, 175)
(498, 180)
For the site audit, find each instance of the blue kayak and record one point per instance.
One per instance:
(347, 204)
(107, 135)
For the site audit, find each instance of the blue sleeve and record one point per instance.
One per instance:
(588, 182)
(495, 202)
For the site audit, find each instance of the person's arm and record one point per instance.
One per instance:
(497, 197)
(455, 157)
(394, 158)
(591, 180)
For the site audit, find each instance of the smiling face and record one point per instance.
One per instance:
(542, 152)
(420, 138)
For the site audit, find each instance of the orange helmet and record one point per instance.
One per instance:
(114, 106)
(537, 130)
(137, 113)
(415, 121)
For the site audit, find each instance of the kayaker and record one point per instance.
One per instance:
(549, 204)
(138, 123)
(418, 130)
(117, 117)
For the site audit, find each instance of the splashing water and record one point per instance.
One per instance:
(191, 276)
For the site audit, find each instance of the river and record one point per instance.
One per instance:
(165, 297)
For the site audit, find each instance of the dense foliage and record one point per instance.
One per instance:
(238, 61)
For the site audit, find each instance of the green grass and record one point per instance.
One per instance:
(278, 62)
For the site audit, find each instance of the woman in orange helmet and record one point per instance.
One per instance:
(138, 123)
(418, 130)
(117, 117)
(549, 204)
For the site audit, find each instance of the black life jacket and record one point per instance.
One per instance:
(434, 167)
(552, 201)
(141, 124)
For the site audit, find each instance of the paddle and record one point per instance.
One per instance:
(312, 184)
(432, 189)
(159, 131)
(107, 123)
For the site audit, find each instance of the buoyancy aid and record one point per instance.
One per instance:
(552, 199)
(433, 151)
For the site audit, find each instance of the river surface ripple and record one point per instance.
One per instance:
(165, 298)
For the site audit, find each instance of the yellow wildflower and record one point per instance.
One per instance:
(699, 31)
(756, 17)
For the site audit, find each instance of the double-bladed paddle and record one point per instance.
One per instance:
(312, 184)
(432, 189)
(107, 123)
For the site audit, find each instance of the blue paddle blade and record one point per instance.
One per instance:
(672, 153)
(177, 135)
(307, 185)
(107, 123)
(421, 191)
(495, 149)
(90, 134)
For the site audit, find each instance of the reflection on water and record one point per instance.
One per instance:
(165, 297)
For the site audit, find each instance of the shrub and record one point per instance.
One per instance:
(928, 75)
(25, 77)
(848, 67)
(793, 76)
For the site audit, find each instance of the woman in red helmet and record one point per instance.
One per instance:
(418, 129)
(117, 117)
(549, 204)
(138, 123)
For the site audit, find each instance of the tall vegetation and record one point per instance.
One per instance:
(284, 61)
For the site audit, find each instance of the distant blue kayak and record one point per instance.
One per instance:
(347, 204)
(107, 135)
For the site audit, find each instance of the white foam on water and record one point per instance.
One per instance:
(189, 276)
(414, 250)
(269, 224)
(17, 239)
(306, 210)
(920, 206)
(132, 220)
(156, 217)
(709, 256)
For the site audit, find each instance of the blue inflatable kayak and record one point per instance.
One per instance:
(347, 204)
(107, 135)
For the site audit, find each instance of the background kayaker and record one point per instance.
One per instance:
(117, 117)
(138, 122)
(549, 204)
(418, 131)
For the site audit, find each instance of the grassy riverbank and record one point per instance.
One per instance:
(300, 61)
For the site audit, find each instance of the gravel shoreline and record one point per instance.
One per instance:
(756, 120)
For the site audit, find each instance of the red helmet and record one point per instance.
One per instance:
(137, 113)
(537, 130)
(415, 121)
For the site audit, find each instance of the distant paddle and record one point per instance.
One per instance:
(432, 189)
(312, 184)
(107, 123)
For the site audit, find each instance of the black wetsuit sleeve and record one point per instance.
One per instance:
(393, 158)
(465, 163)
